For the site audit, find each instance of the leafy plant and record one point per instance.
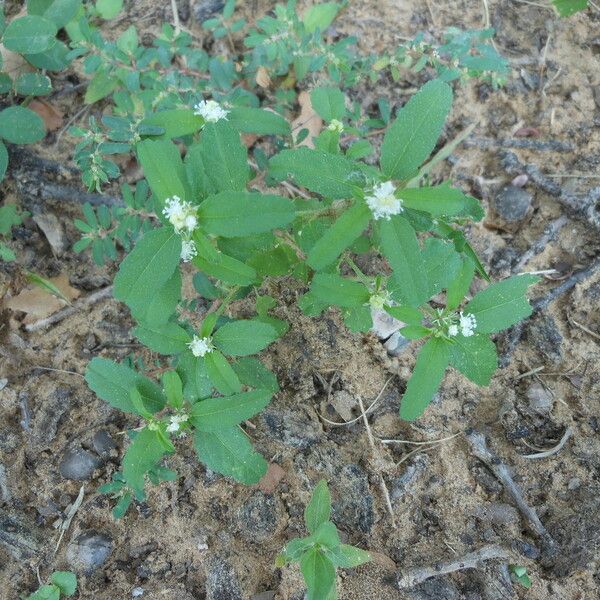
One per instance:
(321, 553)
(62, 584)
(10, 217)
(520, 575)
(566, 8)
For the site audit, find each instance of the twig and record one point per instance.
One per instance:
(70, 310)
(176, 23)
(66, 522)
(473, 560)
(550, 233)
(546, 453)
(500, 470)
(425, 443)
(584, 328)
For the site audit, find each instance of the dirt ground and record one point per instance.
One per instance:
(203, 536)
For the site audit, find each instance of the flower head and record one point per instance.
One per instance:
(210, 110)
(383, 202)
(453, 330)
(467, 324)
(200, 346)
(181, 214)
(188, 250)
(336, 125)
(175, 422)
(379, 299)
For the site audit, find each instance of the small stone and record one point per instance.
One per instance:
(137, 592)
(406, 482)
(544, 336)
(205, 9)
(526, 549)
(512, 203)
(78, 464)
(574, 484)
(221, 581)
(102, 443)
(292, 428)
(89, 552)
(258, 517)
(497, 513)
(354, 505)
(384, 325)
(396, 344)
(3, 383)
(540, 399)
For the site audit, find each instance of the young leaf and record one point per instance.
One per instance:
(230, 453)
(320, 16)
(66, 581)
(329, 102)
(163, 168)
(176, 122)
(215, 414)
(173, 389)
(415, 332)
(326, 534)
(400, 246)
(221, 374)
(566, 8)
(148, 266)
(46, 592)
(475, 357)
(414, 133)
(257, 120)
(241, 338)
(348, 557)
(429, 370)
(406, 314)
(167, 338)
(501, 304)
(319, 574)
(459, 286)
(337, 290)
(339, 236)
(143, 453)
(318, 510)
(112, 382)
(237, 214)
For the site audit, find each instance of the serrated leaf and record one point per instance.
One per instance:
(101, 85)
(241, 338)
(161, 306)
(475, 357)
(459, 286)
(406, 314)
(112, 382)
(318, 510)
(327, 535)
(347, 228)
(215, 414)
(230, 453)
(143, 453)
(173, 388)
(257, 120)
(253, 373)
(237, 214)
(432, 361)
(333, 289)
(501, 304)
(414, 133)
(166, 338)
(329, 102)
(221, 374)
(319, 574)
(163, 168)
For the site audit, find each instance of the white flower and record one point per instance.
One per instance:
(182, 215)
(382, 201)
(453, 330)
(200, 346)
(211, 111)
(188, 250)
(467, 324)
(175, 422)
(380, 299)
(336, 125)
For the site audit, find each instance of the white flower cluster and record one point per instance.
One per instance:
(211, 111)
(383, 202)
(182, 215)
(175, 423)
(336, 125)
(466, 325)
(200, 346)
(379, 299)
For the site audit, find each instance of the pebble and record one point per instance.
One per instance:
(221, 581)
(137, 592)
(354, 506)
(292, 428)
(540, 399)
(544, 336)
(205, 9)
(102, 443)
(78, 464)
(258, 517)
(396, 344)
(512, 203)
(384, 324)
(89, 552)
(406, 482)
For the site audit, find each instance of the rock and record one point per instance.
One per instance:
(205, 9)
(19, 536)
(406, 482)
(438, 588)
(292, 428)
(48, 414)
(545, 337)
(269, 595)
(137, 592)
(353, 502)
(53, 230)
(102, 443)
(396, 344)
(497, 513)
(89, 552)
(512, 203)
(78, 464)
(221, 581)
(384, 324)
(540, 399)
(258, 517)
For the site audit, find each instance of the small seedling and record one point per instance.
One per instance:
(520, 575)
(62, 584)
(321, 553)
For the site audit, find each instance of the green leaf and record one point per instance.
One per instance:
(160, 307)
(347, 228)
(112, 382)
(414, 133)
(3, 161)
(143, 453)
(168, 338)
(337, 290)
(253, 373)
(442, 201)
(224, 157)
(415, 332)
(320, 16)
(460, 285)
(101, 85)
(327, 535)
(566, 8)
(406, 314)
(60, 12)
(173, 389)
(358, 319)
(66, 581)
(427, 375)
(109, 9)
(6, 253)
(33, 84)
(501, 304)
(230, 453)
(228, 269)
(147, 267)
(257, 120)
(237, 214)
(241, 338)
(20, 125)
(442, 264)
(319, 574)
(348, 557)
(215, 414)
(176, 122)
(475, 357)
(29, 35)
(400, 246)
(294, 550)
(128, 42)
(221, 374)
(163, 168)
(318, 510)
(330, 175)
(46, 592)
(329, 102)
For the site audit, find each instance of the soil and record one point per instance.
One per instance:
(203, 536)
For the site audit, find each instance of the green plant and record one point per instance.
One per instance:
(10, 216)
(321, 553)
(62, 584)
(566, 8)
(520, 575)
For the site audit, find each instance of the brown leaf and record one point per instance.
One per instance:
(53, 230)
(262, 77)
(307, 119)
(271, 478)
(53, 118)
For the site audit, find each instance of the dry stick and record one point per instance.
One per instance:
(473, 560)
(546, 453)
(70, 310)
(550, 233)
(502, 472)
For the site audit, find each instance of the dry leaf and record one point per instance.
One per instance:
(38, 303)
(307, 119)
(262, 77)
(53, 118)
(271, 478)
(249, 139)
(13, 63)
(53, 230)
